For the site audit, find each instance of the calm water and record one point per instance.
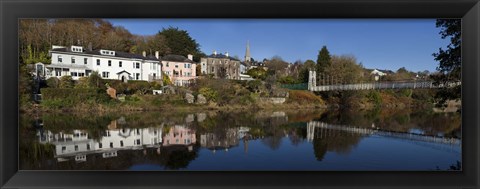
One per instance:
(267, 140)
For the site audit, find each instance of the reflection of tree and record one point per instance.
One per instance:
(177, 157)
(336, 141)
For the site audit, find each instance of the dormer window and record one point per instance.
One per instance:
(59, 59)
(107, 52)
(73, 60)
(77, 49)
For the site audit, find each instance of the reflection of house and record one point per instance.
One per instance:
(220, 65)
(78, 62)
(179, 135)
(179, 69)
(79, 144)
(229, 139)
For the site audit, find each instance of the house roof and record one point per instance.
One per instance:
(176, 58)
(117, 54)
(220, 55)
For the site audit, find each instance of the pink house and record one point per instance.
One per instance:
(180, 70)
(179, 135)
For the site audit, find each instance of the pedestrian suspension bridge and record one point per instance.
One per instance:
(330, 85)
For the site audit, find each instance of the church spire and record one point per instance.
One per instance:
(247, 53)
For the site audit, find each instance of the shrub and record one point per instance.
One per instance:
(374, 97)
(53, 82)
(66, 82)
(66, 97)
(209, 93)
(254, 86)
(304, 97)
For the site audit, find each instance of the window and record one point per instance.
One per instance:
(58, 72)
(98, 62)
(168, 65)
(85, 60)
(100, 145)
(137, 76)
(81, 74)
(73, 60)
(121, 143)
(64, 148)
(88, 146)
(109, 63)
(176, 65)
(73, 74)
(154, 76)
(185, 66)
(138, 141)
(137, 65)
(76, 147)
(105, 74)
(120, 64)
(111, 144)
(59, 58)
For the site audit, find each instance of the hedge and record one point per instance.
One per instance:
(61, 97)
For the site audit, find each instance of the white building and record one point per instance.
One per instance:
(378, 72)
(79, 62)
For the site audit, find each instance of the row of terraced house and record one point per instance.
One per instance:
(78, 61)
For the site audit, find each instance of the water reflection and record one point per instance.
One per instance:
(254, 140)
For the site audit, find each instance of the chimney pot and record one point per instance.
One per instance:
(190, 57)
(157, 54)
(144, 53)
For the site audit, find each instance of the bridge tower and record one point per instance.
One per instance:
(312, 80)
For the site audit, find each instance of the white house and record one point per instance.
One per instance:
(79, 62)
(378, 72)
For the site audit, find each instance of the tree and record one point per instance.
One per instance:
(222, 72)
(449, 59)
(276, 64)
(304, 71)
(94, 80)
(180, 42)
(344, 69)
(323, 60)
(257, 73)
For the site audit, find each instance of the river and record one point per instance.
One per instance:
(290, 140)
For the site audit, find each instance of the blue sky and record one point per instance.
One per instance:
(376, 43)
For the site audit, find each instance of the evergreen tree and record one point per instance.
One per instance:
(324, 60)
(180, 42)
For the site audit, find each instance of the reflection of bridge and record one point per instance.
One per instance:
(312, 127)
(312, 85)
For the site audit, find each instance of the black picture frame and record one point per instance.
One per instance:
(11, 11)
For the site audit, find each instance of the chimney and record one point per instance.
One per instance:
(190, 57)
(90, 46)
(215, 52)
(226, 54)
(144, 53)
(157, 54)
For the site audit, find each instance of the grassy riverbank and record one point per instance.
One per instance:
(90, 95)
